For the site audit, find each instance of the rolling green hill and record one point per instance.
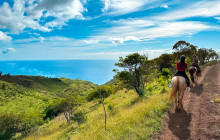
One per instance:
(23, 98)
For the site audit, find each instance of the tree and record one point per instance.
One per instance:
(184, 48)
(68, 105)
(164, 61)
(101, 92)
(10, 124)
(202, 55)
(217, 56)
(211, 54)
(133, 74)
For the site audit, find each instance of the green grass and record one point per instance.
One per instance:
(209, 63)
(130, 117)
(139, 121)
(80, 86)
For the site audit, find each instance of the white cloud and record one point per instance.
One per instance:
(62, 10)
(32, 39)
(198, 9)
(172, 29)
(14, 19)
(144, 30)
(151, 53)
(119, 7)
(8, 50)
(218, 18)
(134, 38)
(4, 37)
(91, 41)
(122, 40)
(31, 14)
(164, 6)
(106, 5)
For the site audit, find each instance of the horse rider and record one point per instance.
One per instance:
(181, 70)
(195, 63)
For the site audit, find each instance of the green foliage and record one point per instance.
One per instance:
(150, 88)
(165, 72)
(184, 48)
(79, 117)
(110, 107)
(37, 83)
(117, 86)
(133, 75)
(68, 104)
(101, 91)
(164, 61)
(207, 55)
(99, 101)
(80, 86)
(30, 101)
(202, 54)
(9, 125)
(209, 63)
(188, 61)
(212, 54)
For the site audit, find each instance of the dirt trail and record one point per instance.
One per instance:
(200, 118)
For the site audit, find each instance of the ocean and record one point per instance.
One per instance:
(96, 71)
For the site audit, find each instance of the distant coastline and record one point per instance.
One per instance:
(96, 71)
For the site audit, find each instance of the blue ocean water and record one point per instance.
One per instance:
(96, 71)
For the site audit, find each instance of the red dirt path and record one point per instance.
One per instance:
(200, 118)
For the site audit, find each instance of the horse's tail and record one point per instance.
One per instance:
(191, 71)
(174, 88)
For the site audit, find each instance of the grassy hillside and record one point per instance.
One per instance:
(24, 99)
(80, 86)
(128, 117)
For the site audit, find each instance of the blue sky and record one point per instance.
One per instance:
(104, 29)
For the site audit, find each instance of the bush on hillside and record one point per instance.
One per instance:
(10, 124)
(79, 117)
(104, 91)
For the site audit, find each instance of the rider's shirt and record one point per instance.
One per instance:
(179, 68)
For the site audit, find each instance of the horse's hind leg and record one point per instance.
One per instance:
(177, 101)
(181, 100)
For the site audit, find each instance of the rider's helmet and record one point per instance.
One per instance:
(182, 58)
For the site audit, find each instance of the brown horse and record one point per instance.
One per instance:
(178, 84)
(193, 71)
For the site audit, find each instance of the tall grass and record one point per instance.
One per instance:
(128, 117)
(131, 121)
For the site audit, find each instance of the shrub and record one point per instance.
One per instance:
(165, 71)
(99, 101)
(110, 107)
(79, 117)
(150, 88)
